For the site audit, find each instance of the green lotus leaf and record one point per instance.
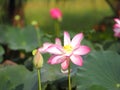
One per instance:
(97, 87)
(1, 53)
(1, 50)
(100, 68)
(23, 39)
(2, 34)
(88, 43)
(115, 46)
(17, 77)
(12, 77)
(50, 74)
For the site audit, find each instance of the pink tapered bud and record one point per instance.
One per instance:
(56, 14)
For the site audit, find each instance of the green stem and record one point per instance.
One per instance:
(57, 29)
(69, 80)
(39, 80)
(38, 35)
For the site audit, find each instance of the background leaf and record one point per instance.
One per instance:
(1, 53)
(2, 34)
(115, 46)
(23, 39)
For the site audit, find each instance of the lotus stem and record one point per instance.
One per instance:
(69, 79)
(57, 28)
(39, 80)
(38, 35)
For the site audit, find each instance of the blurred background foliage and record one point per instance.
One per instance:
(79, 14)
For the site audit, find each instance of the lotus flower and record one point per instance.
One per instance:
(117, 28)
(56, 14)
(71, 51)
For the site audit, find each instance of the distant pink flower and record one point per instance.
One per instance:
(116, 27)
(71, 51)
(56, 13)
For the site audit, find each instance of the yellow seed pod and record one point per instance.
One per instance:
(34, 23)
(17, 17)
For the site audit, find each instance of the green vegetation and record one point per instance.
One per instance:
(100, 70)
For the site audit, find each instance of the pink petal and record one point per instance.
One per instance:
(56, 59)
(65, 65)
(58, 41)
(54, 49)
(55, 13)
(66, 38)
(77, 40)
(116, 30)
(117, 35)
(77, 60)
(82, 50)
(117, 20)
(45, 46)
(116, 26)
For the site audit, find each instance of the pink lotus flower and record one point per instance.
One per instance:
(56, 14)
(71, 51)
(117, 27)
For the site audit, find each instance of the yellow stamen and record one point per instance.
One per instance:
(68, 48)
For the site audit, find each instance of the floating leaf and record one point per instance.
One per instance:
(101, 69)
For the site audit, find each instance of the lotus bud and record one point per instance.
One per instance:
(56, 14)
(38, 59)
